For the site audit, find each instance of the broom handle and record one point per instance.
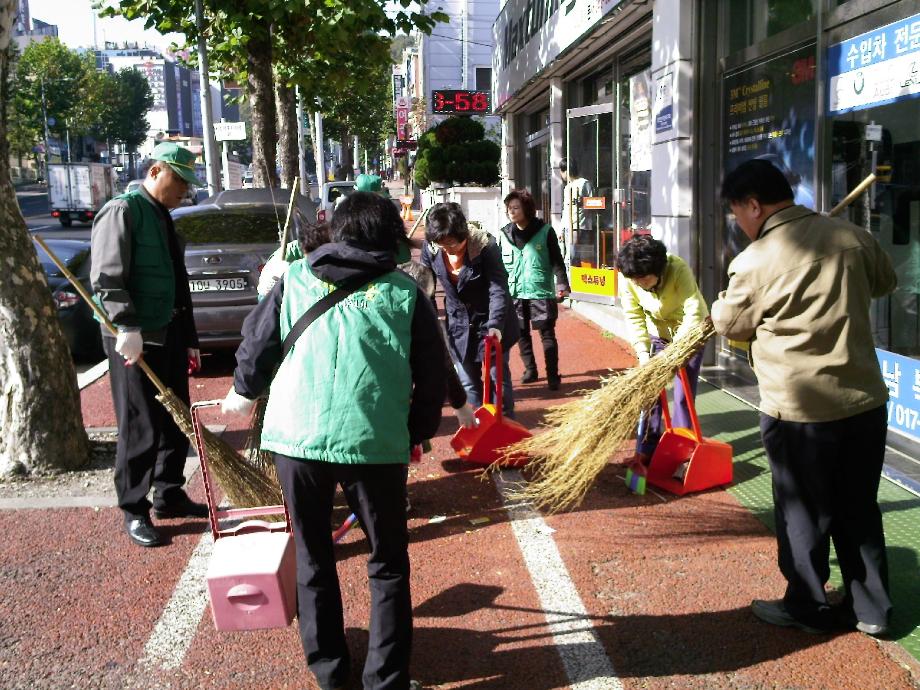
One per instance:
(95, 307)
(852, 196)
(421, 216)
(290, 212)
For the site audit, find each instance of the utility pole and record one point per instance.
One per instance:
(207, 116)
(320, 153)
(301, 151)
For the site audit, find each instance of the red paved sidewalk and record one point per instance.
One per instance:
(666, 585)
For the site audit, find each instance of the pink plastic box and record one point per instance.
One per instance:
(251, 576)
(251, 581)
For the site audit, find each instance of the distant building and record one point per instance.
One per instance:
(28, 30)
(176, 110)
(455, 56)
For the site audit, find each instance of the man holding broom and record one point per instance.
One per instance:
(139, 277)
(800, 293)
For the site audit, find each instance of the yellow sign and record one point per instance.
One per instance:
(594, 281)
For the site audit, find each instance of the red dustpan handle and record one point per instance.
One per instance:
(691, 406)
(492, 343)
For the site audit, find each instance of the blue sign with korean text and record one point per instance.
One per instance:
(876, 67)
(902, 376)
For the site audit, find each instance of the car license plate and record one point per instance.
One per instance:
(217, 284)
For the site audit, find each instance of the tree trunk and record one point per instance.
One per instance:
(286, 114)
(39, 401)
(262, 107)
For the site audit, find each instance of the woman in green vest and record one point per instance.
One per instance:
(537, 281)
(361, 385)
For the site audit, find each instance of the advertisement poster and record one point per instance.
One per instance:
(640, 122)
(769, 113)
(664, 103)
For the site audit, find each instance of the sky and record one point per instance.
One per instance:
(74, 19)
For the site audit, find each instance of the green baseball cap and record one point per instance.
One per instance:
(180, 159)
(367, 183)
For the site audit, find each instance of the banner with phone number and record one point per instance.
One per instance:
(902, 377)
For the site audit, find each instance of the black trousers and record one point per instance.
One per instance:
(541, 316)
(151, 450)
(377, 495)
(825, 487)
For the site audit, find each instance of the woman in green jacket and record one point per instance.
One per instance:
(661, 301)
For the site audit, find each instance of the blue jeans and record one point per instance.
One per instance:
(470, 375)
(651, 425)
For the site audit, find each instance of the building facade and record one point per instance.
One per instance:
(652, 102)
(457, 55)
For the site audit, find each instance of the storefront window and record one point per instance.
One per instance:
(873, 82)
(887, 140)
(749, 22)
(590, 152)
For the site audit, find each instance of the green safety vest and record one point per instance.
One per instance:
(530, 273)
(342, 394)
(151, 276)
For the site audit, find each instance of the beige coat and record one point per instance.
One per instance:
(801, 293)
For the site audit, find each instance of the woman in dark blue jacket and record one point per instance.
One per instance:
(468, 265)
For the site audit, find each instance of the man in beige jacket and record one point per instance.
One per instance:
(800, 293)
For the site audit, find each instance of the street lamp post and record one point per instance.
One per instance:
(45, 119)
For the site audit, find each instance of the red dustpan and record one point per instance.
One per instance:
(482, 444)
(684, 461)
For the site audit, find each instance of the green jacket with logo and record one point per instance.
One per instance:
(343, 392)
(530, 271)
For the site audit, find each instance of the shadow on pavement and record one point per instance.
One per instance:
(646, 646)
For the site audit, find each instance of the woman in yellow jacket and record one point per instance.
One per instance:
(661, 301)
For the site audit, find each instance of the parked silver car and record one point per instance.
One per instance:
(229, 238)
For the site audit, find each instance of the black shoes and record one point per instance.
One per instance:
(142, 532)
(553, 382)
(775, 613)
(530, 375)
(873, 629)
(185, 508)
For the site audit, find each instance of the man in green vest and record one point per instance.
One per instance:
(362, 383)
(139, 277)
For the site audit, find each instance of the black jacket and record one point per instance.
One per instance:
(479, 301)
(260, 352)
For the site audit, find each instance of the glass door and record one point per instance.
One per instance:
(634, 134)
(588, 204)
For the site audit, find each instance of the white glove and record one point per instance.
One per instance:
(466, 417)
(235, 403)
(271, 274)
(130, 345)
(644, 357)
(495, 333)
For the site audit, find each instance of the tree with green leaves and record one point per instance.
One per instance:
(35, 366)
(456, 151)
(306, 39)
(50, 74)
(127, 99)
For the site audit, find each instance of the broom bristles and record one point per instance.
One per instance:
(244, 484)
(580, 436)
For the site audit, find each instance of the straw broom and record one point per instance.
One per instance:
(581, 435)
(243, 484)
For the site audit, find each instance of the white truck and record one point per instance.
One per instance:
(77, 191)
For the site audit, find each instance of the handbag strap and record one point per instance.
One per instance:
(322, 306)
